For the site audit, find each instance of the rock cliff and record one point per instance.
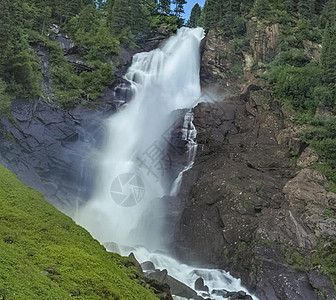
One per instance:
(253, 204)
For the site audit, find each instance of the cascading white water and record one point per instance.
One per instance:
(214, 279)
(134, 161)
(189, 134)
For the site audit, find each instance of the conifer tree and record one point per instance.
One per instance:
(306, 8)
(179, 7)
(120, 16)
(328, 57)
(202, 19)
(261, 9)
(195, 16)
(164, 6)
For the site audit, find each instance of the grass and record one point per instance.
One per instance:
(325, 258)
(45, 255)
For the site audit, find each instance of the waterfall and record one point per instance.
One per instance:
(135, 161)
(189, 134)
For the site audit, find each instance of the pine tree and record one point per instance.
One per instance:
(151, 7)
(139, 17)
(195, 16)
(328, 57)
(329, 12)
(306, 8)
(120, 16)
(261, 9)
(18, 63)
(202, 19)
(164, 6)
(179, 7)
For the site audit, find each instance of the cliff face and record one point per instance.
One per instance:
(247, 205)
(52, 148)
(264, 40)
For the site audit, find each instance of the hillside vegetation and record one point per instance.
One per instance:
(45, 255)
(97, 29)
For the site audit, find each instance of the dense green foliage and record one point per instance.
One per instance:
(18, 64)
(195, 16)
(226, 15)
(45, 255)
(97, 28)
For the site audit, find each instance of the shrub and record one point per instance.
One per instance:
(171, 21)
(296, 86)
(5, 101)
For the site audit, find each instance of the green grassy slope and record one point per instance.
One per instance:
(45, 255)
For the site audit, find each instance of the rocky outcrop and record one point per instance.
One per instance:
(312, 50)
(46, 147)
(264, 39)
(218, 62)
(252, 203)
(246, 207)
(307, 196)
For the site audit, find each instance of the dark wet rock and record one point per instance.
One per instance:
(238, 295)
(148, 266)
(180, 289)
(158, 275)
(244, 201)
(137, 264)
(66, 43)
(51, 148)
(322, 283)
(161, 290)
(46, 147)
(222, 293)
(198, 298)
(199, 285)
(78, 63)
(177, 288)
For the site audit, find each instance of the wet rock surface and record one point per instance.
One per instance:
(46, 146)
(246, 204)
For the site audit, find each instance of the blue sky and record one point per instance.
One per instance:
(189, 6)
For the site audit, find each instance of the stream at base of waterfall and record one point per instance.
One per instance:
(134, 164)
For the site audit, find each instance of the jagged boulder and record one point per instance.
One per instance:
(177, 288)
